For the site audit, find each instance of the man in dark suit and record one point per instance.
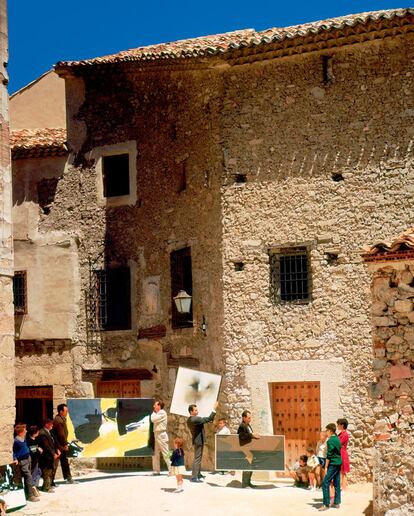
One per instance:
(196, 425)
(246, 435)
(60, 434)
(49, 455)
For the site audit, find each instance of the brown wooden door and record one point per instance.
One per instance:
(34, 405)
(119, 389)
(296, 411)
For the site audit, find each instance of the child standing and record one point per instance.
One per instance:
(342, 425)
(21, 456)
(321, 448)
(35, 451)
(177, 463)
(313, 468)
(222, 428)
(332, 469)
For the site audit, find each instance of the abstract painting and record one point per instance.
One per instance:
(264, 454)
(109, 427)
(11, 487)
(195, 387)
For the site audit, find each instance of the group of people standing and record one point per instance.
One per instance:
(195, 424)
(37, 453)
(328, 467)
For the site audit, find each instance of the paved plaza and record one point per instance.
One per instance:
(141, 493)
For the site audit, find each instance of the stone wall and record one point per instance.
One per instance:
(393, 390)
(328, 166)
(171, 119)
(7, 392)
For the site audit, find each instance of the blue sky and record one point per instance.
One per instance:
(42, 33)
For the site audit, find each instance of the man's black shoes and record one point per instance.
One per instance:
(197, 480)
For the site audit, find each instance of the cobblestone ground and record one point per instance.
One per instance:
(142, 494)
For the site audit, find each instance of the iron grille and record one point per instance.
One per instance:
(20, 292)
(109, 303)
(289, 270)
(97, 305)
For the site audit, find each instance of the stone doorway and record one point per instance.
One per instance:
(296, 414)
(34, 405)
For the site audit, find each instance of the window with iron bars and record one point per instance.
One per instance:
(20, 292)
(290, 275)
(110, 299)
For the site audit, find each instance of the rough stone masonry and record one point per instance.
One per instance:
(304, 143)
(7, 393)
(393, 390)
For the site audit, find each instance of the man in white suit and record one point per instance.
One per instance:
(159, 420)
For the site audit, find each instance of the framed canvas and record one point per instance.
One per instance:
(195, 387)
(264, 454)
(110, 427)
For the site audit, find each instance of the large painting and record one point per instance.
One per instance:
(110, 427)
(11, 487)
(264, 454)
(195, 387)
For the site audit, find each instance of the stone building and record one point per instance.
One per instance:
(46, 282)
(248, 169)
(6, 257)
(392, 265)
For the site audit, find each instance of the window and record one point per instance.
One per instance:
(115, 170)
(327, 70)
(181, 279)
(112, 310)
(20, 292)
(289, 275)
(116, 174)
(46, 190)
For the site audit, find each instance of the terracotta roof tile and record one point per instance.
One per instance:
(404, 243)
(38, 143)
(225, 43)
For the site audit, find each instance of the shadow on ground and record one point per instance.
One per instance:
(237, 485)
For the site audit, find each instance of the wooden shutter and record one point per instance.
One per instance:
(118, 299)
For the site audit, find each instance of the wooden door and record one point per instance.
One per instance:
(119, 389)
(296, 411)
(34, 405)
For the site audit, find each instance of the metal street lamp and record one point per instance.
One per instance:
(182, 302)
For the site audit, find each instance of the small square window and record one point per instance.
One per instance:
(115, 171)
(20, 292)
(290, 275)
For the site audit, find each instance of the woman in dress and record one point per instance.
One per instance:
(342, 425)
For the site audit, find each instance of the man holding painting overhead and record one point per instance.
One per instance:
(196, 424)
